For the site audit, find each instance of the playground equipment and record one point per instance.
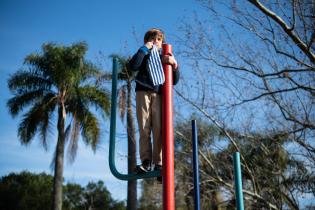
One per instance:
(237, 172)
(195, 164)
(238, 181)
(112, 137)
(167, 135)
(168, 144)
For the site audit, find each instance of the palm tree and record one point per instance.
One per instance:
(58, 80)
(125, 104)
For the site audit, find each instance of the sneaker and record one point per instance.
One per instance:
(158, 168)
(144, 167)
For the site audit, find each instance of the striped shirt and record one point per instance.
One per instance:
(155, 67)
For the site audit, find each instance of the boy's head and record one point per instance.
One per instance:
(154, 34)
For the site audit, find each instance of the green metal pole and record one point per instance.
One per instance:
(112, 135)
(238, 181)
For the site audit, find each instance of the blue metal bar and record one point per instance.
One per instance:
(195, 165)
(238, 181)
(112, 164)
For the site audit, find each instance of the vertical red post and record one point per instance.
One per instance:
(168, 135)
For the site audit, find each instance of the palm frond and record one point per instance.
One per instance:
(67, 132)
(37, 118)
(73, 143)
(30, 124)
(53, 161)
(65, 66)
(89, 71)
(85, 119)
(58, 69)
(39, 63)
(99, 98)
(49, 103)
(90, 129)
(122, 102)
(19, 102)
(23, 81)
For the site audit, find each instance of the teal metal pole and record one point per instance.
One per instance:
(238, 181)
(113, 121)
(112, 135)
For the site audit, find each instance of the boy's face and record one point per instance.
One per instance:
(157, 40)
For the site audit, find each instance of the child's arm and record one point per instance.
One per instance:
(136, 60)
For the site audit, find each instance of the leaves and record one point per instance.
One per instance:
(58, 78)
(58, 69)
(122, 101)
(29, 191)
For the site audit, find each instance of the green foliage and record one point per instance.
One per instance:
(59, 76)
(30, 191)
(25, 191)
(210, 140)
(97, 195)
(267, 168)
(59, 79)
(151, 195)
(73, 197)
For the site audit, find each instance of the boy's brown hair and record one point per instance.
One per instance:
(152, 33)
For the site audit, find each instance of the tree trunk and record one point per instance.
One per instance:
(132, 184)
(59, 157)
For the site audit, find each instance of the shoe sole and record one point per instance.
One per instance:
(141, 170)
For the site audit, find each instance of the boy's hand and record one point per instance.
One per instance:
(149, 45)
(169, 59)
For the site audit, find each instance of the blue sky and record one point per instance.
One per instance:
(107, 27)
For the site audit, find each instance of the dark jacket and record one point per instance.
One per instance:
(138, 63)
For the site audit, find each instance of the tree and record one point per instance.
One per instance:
(151, 197)
(270, 65)
(29, 191)
(97, 196)
(93, 196)
(125, 104)
(254, 66)
(73, 197)
(58, 79)
(210, 192)
(25, 191)
(270, 182)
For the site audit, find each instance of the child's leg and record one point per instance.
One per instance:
(157, 128)
(144, 122)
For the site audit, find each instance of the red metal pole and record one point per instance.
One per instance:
(168, 135)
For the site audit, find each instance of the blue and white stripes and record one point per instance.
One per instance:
(155, 67)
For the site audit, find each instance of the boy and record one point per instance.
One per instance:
(149, 98)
